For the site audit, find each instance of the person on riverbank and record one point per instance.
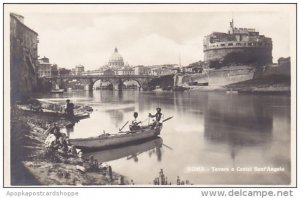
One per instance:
(54, 129)
(69, 108)
(157, 117)
(59, 142)
(53, 140)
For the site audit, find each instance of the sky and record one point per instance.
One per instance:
(144, 34)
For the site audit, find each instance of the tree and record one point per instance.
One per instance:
(64, 71)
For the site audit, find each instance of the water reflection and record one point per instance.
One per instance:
(208, 129)
(117, 116)
(238, 121)
(130, 152)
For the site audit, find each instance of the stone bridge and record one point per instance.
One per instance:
(116, 80)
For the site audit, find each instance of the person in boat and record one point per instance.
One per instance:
(135, 125)
(69, 108)
(157, 117)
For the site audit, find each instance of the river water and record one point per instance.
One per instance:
(214, 138)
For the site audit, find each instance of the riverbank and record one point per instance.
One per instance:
(270, 85)
(33, 164)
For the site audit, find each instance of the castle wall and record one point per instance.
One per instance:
(217, 77)
(221, 77)
(227, 56)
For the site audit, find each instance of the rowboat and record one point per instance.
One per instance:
(126, 151)
(105, 141)
(231, 92)
(47, 112)
(57, 91)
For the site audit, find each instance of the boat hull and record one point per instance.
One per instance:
(57, 91)
(50, 113)
(125, 151)
(112, 141)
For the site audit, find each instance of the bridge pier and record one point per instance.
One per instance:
(144, 86)
(117, 84)
(90, 87)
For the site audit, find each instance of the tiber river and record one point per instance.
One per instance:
(214, 137)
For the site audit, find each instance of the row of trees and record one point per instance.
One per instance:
(55, 71)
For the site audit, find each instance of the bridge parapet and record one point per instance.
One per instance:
(116, 80)
(100, 76)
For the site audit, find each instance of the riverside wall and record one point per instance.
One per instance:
(233, 74)
(23, 59)
(243, 55)
(216, 77)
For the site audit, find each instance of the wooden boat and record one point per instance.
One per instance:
(126, 151)
(231, 92)
(57, 91)
(47, 112)
(115, 140)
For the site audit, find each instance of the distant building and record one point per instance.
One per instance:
(78, 69)
(160, 71)
(23, 58)
(92, 72)
(54, 70)
(64, 71)
(196, 67)
(238, 46)
(44, 67)
(142, 70)
(108, 72)
(284, 61)
(116, 60)
(125, 71)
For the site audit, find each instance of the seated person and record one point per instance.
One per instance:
(135, 125)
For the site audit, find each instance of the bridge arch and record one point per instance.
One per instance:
(93, 82)
(132, 79)
(116, 80)
(116, 83)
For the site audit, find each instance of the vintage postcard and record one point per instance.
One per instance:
(155, 95)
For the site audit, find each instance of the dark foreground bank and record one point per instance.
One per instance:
(33, 164)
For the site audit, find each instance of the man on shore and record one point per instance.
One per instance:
(69, 108)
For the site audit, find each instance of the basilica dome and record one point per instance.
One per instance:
(116, 60)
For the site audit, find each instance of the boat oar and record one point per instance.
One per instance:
(123, 126)
(167, 147)
(167, 119)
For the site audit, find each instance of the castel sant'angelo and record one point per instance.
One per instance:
(238, 46)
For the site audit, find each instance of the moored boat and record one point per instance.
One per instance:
(126, 151)
(115, 140)
(232, 92)
(76, 116)
(57, 91)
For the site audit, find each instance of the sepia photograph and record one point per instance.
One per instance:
(149, 95)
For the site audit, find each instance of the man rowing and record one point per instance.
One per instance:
(157, 117)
